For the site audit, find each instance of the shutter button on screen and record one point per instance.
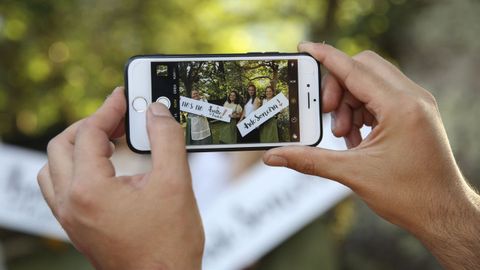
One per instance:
(165, 101)
(139, 104)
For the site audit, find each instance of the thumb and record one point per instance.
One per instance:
(166, 137)
(334, 165)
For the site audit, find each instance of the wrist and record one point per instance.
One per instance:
(137, 262)
(452, 233)
(156, 265)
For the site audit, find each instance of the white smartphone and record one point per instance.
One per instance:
(227, 102)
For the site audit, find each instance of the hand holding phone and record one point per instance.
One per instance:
(404, 169)
(227, 102)
(141, 221)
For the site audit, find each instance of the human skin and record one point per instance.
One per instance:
(195, 95)
(145, 221)
(404, 169)
(251, 91)
(232, 98)
(269, 93)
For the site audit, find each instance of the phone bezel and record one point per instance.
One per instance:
(219, 147)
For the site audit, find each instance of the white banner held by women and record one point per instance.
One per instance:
(206, 109)
(262, 114)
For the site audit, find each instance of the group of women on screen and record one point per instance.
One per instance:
(266, 133)
(198, 129)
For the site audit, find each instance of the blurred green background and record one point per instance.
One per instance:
(59, 59)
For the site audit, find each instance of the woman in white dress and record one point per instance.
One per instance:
(198, 129)
(252, 104)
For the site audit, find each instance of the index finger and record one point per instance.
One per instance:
(93, 149)
(362, 83)
(60, 157)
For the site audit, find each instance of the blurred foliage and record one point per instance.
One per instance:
(59, 59)
(25, 252)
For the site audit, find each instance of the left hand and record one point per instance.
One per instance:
(145, 221)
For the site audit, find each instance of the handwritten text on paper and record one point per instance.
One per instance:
(206, 109)
(262, 114)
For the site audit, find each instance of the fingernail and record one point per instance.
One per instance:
(112, 146)
(332, 122)
(275, 160)
(302, 43)
(158, 109)
(347, 142)
(118, 88)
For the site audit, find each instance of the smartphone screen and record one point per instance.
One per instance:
(227, 102)
(231, 102)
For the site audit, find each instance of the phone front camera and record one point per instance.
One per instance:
(308, 85)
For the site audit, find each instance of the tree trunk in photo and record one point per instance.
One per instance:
(240, 89)
(221, 71)
(274, 80)
(189, 76)
(222, 79)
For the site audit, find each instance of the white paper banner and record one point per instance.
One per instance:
(262, 114)
(205, 109)
(243, 219)
(22, 206)
(261, 209)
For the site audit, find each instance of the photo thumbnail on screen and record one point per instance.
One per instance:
(231, 102)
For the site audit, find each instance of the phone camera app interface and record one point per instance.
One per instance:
(231, 102)
(161, 70)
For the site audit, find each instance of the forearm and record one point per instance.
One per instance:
(455, 242)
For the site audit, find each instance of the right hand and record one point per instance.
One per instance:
(404, 169)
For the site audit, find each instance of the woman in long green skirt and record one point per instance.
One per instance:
(228, 131)
(269, 129)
